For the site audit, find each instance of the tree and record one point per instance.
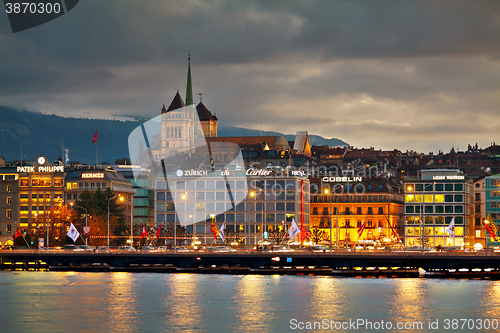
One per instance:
(278, 237)
(317, 235)
(96, 204)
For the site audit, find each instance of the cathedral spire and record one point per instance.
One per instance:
(189, 87)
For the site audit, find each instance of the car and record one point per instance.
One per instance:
(221, 249)
(126, 248)
(320, 248)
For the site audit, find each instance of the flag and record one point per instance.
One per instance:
(158, 232)
(144, 232)
(491, 227)
(95, 137)
(214, 229)
(17, 234)
(73, 233)
(222, 231)
(451, 228)
(360, 229)
(86, 231)
(293, 230)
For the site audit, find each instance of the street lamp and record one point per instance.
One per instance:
(326, 192)
(86, 225)
(121, 199)
(252, 195)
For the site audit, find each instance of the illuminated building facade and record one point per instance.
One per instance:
(41, 196)
(431, 202)
(9, 205)
(268, 204)
(80, 180)
(492, 189)
(350, 203)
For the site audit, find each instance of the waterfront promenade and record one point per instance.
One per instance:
(390, 263)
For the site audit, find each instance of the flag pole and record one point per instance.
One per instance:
(96, 149)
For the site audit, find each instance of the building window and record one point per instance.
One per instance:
(478, 233)
(9, 188)
(8, 213)
(68, 196)
(478, 196)
(9, 228)
(370, 210)
(75, 196)
(381, 210)
(9, 200)
(359, 211)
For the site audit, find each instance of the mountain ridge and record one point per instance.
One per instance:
(43, 134)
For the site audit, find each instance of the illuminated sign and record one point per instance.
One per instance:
(41, 168)
(93, 175)
(259, 172)
(448, 177)
(299, 173)
(193, 173)
(341, 179)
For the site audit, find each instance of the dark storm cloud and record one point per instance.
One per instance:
(356, 70)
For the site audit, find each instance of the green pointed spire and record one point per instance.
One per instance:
(189, 87)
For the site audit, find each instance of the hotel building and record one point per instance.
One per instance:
(432, 202)
(348, 203)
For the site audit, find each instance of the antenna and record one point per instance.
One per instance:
(201, 94)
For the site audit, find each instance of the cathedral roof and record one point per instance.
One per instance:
(204, 114)
(177, 103)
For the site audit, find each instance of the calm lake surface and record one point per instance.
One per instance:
(144, 302)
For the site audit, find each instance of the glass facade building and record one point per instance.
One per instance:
(432, 202)
(247, 205)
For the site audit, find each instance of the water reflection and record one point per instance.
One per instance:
(490, 300)
(184, 309)
(408, 302)
(327, 299)
(122, 303)
(253, 307)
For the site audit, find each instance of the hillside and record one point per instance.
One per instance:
(44, 134)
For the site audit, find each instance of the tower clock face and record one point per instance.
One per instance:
(41, 159)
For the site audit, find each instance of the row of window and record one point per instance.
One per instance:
(429, 198)
(237, 228)
(347, 211)
(223, 195)
(7, 177)
(434, 219)
(277, 185)
(80, 186)
(221, 206)
(41, 182)
(438, 209)
(34, 208)
(25, 196)
(435, 187)
(227, 217)
(432, 231)
(357, 224)
(355, 198)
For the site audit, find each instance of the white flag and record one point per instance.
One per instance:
(222, 231)
(451, 228)
(73, 233)
(294, 229)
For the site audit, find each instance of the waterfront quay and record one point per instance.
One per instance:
(348, 263)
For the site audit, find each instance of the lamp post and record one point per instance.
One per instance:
(252, 195)
(121, 199)
(86, 224)
(326, 192)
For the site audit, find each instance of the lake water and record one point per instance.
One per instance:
(143, 302)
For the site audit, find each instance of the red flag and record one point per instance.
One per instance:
(17, 234)
(95, 137)
(360, 229)
(158, 232)
(144, 232)
(214, 229)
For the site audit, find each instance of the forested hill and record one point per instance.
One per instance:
(44, 134)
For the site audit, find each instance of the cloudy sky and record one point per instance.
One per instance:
(416, 75)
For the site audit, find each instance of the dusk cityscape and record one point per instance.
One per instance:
(249, 166)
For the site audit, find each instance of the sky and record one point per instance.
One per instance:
(408, 75)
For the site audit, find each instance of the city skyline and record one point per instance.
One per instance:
(417, 76)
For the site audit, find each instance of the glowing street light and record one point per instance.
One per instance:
(121, 199)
